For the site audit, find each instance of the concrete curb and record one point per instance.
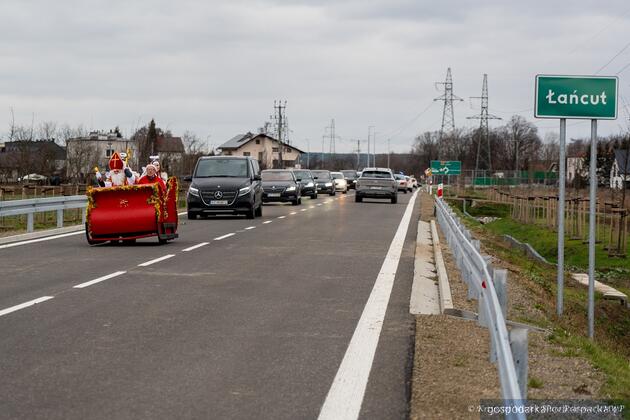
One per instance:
(40, 234)
(424, 291)
(444, 288)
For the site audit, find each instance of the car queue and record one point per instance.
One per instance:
(237, 185)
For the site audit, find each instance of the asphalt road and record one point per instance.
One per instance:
(250, 325)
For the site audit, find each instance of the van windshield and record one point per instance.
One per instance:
(210, 168)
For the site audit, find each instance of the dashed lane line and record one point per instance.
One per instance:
(303, 209)
(195, 246)
(319, 204)
(293, 212)
(219, 238)
(98, 280)
(157, 260)
(25, 305)
(250, 227)
(281, 217)
(267, 222)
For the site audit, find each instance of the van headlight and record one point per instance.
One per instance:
(244, 191)
(289, 189)
(310, 184)
(193, 191)
(328, 184)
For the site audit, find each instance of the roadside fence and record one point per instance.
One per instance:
(508, 349)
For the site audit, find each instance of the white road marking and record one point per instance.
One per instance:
(328, 201)
(224, 236)
(311, 207)
(281, 217)
(98, 280)
(181, 213)
(267, 222)
(319, 204)
(195, 246)
(25, 305)
(48, 238)
(303, 209)
(293, 212)
(250, 227)
(166, 257)
(345, 396)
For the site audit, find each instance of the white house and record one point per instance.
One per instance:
(620, 170)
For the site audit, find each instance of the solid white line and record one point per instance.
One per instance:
(267, 222)
(91, 282)
(281, 217)
(25, 305)
(224, 236)
(345, 396)
(293, 212)
(195, 246)
(48, 238)
(250, 227)
(166, 257)
(181, 213)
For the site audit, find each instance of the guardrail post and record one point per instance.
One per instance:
(29, 222)
(60, 218)
(83, 215)
(518, 343)
(500, 285)
(482, 316)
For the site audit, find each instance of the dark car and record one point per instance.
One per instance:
(225, 185)
(324, 182)
(280, 185)
(351, 178)
(307, 182)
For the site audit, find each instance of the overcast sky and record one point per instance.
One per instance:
(215, 67)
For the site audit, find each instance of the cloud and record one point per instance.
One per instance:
(216, 67)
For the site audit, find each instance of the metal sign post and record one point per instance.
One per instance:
(561, 188)
(579, 97)
(591, 230)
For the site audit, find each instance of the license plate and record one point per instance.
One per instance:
(273, 195)
(375, 188)
(219, 202)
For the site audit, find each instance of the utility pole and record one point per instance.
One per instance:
(388, 151)
(368, 145)
(448, 114)
(332, 137)
(280, 108)
(308, 154)
(484, 160)
(358, 153)
(323, 139)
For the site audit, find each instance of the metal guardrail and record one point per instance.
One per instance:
(37, 205)
(489, 286)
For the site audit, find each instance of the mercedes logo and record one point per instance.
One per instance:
(218, 195)
(273, 187)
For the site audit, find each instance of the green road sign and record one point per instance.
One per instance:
(446, 167)
(591, 97)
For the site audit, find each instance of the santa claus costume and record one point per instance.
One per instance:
(119, 174)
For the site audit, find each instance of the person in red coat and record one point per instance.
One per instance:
(152, 177)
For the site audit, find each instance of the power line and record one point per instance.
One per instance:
(612, 59)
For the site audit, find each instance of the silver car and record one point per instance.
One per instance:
(377, 183)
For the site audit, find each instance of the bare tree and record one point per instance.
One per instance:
(80, 156)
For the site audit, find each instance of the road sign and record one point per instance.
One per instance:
(446, 167)
(591, 97)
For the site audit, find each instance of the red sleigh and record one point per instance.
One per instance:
(130, 212)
